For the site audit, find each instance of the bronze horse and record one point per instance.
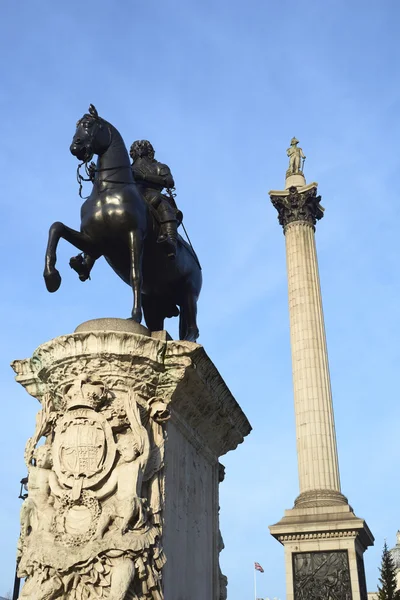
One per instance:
(116, 223)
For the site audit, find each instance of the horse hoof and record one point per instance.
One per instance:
(78, 264)
(137, 316)
(192, 335)
(52, 280)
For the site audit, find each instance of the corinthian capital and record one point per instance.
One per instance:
(297, 204)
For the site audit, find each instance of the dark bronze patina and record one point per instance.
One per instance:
(117, 223)
(152, 177)
(320, 575)
(298, 206)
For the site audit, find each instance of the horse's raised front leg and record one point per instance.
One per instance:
(57, 231)
(136, 254)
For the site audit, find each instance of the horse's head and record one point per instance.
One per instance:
(92, 136)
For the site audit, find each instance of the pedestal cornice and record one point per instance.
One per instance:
(321, 523)
(298, 204)
(174, 370)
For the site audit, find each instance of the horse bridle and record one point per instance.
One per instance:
(80, 178)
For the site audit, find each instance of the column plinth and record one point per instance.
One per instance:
(324, 540)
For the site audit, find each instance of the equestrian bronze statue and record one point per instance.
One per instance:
(127, 224)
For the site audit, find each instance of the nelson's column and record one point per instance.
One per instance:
(324, 541)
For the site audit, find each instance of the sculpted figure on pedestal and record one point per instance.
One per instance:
(125, 507)
(86, 531)
(37, 510)
(295, 155)
(223, 580)
(117, 223)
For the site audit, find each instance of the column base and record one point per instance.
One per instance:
(324, 547)
(314, 498)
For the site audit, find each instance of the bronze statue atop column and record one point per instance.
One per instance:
(296, 157)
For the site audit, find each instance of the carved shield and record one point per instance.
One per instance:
(83, 448)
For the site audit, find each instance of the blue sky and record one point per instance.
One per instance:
(220, 87)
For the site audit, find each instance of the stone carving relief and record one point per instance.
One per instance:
(319, 575)
(92, 523)
(223, 580)
(298, 206)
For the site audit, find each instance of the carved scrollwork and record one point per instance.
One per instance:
(80, 515)
(298, 206)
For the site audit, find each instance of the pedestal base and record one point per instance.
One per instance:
(123, 493)
(296, 180)
(324, 549)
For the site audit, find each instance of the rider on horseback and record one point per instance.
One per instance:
(151, 178)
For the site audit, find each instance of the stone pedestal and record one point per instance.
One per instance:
(123, 493)
(324, 547)
(294, 179)
(324, 541)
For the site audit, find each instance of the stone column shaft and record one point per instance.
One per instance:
(298, 211)
(316, 440)
(324, 540)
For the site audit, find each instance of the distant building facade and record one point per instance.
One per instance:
(395, 554)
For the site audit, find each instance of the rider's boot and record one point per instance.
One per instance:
(168, 236)
(79, 264)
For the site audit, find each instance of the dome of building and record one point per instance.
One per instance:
(395, 553)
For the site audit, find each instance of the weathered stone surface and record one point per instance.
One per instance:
(313, 531)
(128, 473)
(112, 324)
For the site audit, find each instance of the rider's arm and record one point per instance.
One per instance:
(166, 174)
(163, 178)
(138, 174)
